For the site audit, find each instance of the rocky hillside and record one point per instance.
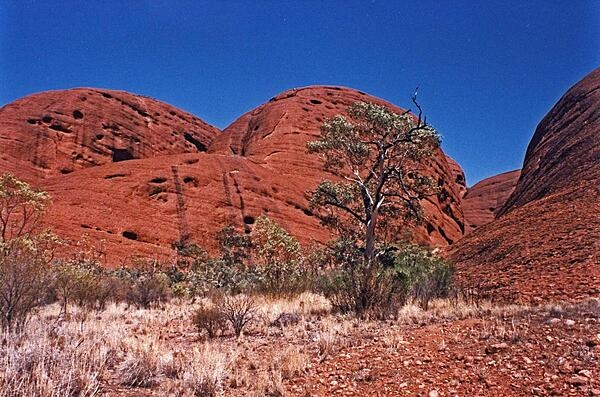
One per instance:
(545, 243)
(482, 201)
(135, 174)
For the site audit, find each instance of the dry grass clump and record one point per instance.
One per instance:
(140, 368)
(57, 360)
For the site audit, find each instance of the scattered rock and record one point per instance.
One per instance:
(495, 348)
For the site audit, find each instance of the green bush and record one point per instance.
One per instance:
(354, 285)
(378, 288)
(278, 259)
(144, 284)
(428, 276)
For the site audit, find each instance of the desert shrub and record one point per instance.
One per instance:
(24, 276)
(222, 276)
(238, 310)
(144, 284)
(428, 276)
(355, 285)
(147, 289)
(209, 318)
(84, 282)
(278, 260)
(25, 251)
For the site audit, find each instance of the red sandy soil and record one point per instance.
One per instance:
(530, 352)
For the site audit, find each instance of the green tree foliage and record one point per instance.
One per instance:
(377, 156)
(378, 159)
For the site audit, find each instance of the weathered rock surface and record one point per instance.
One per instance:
(565, 149)
(58, 132)
(275, 135)
(545, 244)
(141, 207)
(131, 173)
(482, 201)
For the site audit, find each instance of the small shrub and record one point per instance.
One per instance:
(278, 259)
(24, 277)
(210, 319)
(144, 284)
(238, 310)
(428, 276)
(354, 285)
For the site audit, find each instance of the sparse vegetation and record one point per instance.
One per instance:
(377, 156)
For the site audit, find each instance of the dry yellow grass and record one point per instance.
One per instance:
(159, 351)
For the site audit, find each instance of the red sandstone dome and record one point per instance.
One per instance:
(132, 174)
(275, 135)
(484, 200)
(545, 243)
(58, 132)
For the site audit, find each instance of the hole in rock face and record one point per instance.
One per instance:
(158, 179)
(121, 155)
(31, 121)
(77, 114)
(130, 235)
(99, 137)
(65, 171)
(106, 95)
(46, 119)
(190, 180)
(191, 161)
(315, 102)
(111, 176)
(307, 212)
(199, 145)
(249, 220)
(430, 228)
(60, 128)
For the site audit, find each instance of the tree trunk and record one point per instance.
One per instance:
(369, 254)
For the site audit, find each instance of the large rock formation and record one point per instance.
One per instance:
(546, 242)
(58, 132)
(275, 135)
(130, 172)
(482, 201)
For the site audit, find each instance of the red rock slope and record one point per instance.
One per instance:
(546, 242)
(275, 135)
(483, 200)
(58, 132)
(131, 172)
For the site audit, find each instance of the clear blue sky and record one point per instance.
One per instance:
(488, 71)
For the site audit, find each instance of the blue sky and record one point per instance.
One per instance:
(488, 71)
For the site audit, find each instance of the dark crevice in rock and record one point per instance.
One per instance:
(199, 145)
(130, 235)
(121, 155)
